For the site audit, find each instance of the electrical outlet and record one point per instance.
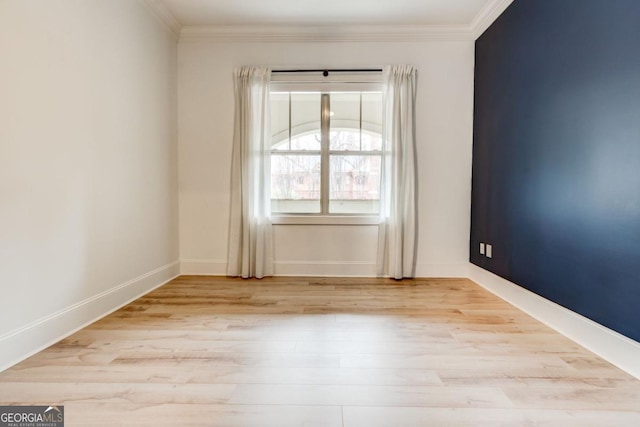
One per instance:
(481, 248)
(489, 251)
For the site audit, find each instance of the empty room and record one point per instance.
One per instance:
(337, 213)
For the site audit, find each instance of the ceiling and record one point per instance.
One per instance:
(208, 13)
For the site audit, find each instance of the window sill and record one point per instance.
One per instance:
(325, 220)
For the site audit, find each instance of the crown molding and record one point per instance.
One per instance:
(319, 34)
(487, 15)
(162, 13)
(329, 33)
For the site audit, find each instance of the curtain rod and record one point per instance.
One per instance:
(326, 71)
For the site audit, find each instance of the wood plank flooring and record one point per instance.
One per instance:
(323, 352)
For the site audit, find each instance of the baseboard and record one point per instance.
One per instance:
(27, 340)
(325, 268)
(203, 267)
(442, 270)
(217, 267)
(619, 350)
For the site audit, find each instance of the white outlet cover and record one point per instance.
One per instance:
(481, 248)
(489, 251)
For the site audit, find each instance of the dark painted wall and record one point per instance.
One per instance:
(556, 154)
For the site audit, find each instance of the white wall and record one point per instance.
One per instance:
(444, 117)
(88, 169)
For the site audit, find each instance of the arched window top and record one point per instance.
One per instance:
(308, 141)
(340, 139)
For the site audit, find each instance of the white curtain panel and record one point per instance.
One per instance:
(397, 241)
(250, 234)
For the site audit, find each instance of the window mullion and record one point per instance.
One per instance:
(360, 120)
(289, 120)
(324, 164)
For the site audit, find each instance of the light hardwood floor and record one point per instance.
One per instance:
(323, 352)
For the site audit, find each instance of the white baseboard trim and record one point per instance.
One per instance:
(442, 270)
(203, 267)
(218, 267)
(617, 349)
(28, 340)
(325, 268)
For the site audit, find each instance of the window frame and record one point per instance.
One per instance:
(363, 82)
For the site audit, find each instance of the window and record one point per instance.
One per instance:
(326, 152)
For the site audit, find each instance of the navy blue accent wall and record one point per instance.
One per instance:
(556, 154)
